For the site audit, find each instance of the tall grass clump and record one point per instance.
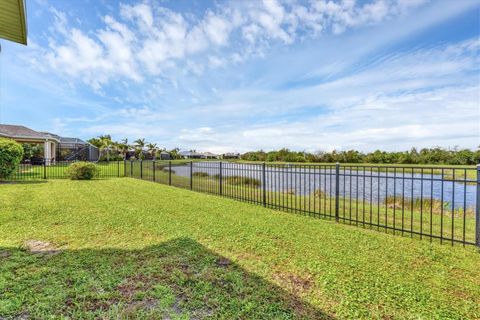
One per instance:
(245, 181)
(425, 204)
(200, 174)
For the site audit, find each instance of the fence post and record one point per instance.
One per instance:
(131, 168)
(337, 190)
(477, 209)
(118, 168)
(153, 170)
(141, 169)
(191, 175)
(170, 173)
(124, 167)
(264, 185)
(45, 168)
(220, 179)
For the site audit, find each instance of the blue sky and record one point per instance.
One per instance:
(246, 75)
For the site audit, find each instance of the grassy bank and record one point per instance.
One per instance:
(130, 248)
(427, 216)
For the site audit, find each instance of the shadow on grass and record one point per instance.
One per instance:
(176, 279)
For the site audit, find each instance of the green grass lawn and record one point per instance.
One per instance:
(58, 171)
(133, 249)
(417, 218)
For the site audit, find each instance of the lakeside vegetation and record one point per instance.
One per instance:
(139, 149)
(142, 253)
(424, 156)
(418, 215)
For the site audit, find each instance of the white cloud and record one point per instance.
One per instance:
(197, 135)
(140, 12)
(147, 39)
(181, 80)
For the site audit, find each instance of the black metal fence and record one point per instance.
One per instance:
(437, 203)
(54, 169)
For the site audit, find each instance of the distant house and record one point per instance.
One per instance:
(54, 147)
(209, 155)
(164, 155)
(23, 134)
(190, 155)
(231, 155)
(75, 149)
(198, 155)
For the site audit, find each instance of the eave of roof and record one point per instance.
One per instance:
(13, 21)
(8, 131)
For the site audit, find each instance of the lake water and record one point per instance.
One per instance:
(369, 185)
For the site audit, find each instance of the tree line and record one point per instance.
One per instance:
(122, 150)
(436, 155)
(139, 149)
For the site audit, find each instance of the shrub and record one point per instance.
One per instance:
(425, 204)
(11, 153)
(319, 193)
(246, 181)
(82, 171)
(200, 174)
(290, 192)
(112, 157)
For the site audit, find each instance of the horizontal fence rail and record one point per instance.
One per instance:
(436, 203)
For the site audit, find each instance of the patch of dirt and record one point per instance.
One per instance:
(248, 256)
(97, 305)
(41, 247)
(145, 305)
(21, 316)
(295, 282)
(176, 307)
(4, 254)
(223, 262)
(133, 284)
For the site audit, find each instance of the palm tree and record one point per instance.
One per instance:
(152, 148)
(174, 153)
(123, 146)
(140, 144)
(106, 144)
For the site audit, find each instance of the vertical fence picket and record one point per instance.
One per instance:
(191, 175)
(153, 164)
(337, 191)
(220, 178)
(477, 209)
(264, 185)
